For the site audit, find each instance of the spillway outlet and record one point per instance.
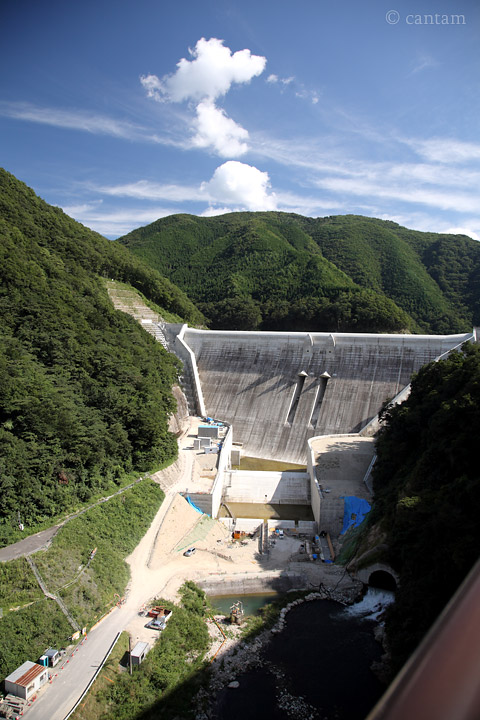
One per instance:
(317, 405)
(296, 397)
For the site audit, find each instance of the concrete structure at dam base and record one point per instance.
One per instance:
(311, 399)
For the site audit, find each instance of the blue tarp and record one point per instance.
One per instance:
(354, 512)
(189, 500)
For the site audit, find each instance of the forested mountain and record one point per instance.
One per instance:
(427, 493)
(280, 271)
(85, 393)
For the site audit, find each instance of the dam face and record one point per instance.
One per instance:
(280, 389)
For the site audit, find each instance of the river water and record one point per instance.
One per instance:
(318, 667)
(251, 603)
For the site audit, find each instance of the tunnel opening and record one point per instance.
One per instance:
(383, 580)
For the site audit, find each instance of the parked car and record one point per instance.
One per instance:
(157, 624)
(189, 552)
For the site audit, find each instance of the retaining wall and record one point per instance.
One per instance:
(248, 525)
(201, 500)
(279, 488)
(222, 465)
(249, 584)
(184, 352)
(315, 494)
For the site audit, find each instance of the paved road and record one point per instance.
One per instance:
(69, 683)
(28, 545)
(32, 543)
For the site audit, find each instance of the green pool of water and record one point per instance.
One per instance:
(268, 512)
(251, 463)
(251, 603)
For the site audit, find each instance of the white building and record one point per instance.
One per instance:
(139, 652)
(26, 680)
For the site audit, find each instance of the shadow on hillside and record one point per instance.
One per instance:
(283, 675)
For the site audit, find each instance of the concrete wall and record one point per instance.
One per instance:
(373, 426)
(252, 379)
(280, 525)
(315, 494)
(340, 457)
(184, 352)
(307, 527)
(201, 500)
(280, 488)
(223, 466)
(244, 584)
(248, 525)
(365, 573)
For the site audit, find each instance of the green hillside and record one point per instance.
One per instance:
(427, 493)
(85, 393)
(282, 271)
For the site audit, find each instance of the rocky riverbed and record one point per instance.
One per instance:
(304, 668)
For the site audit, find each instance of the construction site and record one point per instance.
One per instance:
(307, 402)
(305, 407)
(257, 531)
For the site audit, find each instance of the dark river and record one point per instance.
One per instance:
(318, 667)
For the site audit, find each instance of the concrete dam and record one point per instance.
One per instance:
(279, 389)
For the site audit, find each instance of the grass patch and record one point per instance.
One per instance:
(94, 705)
(87, 589)
(114, 528)
(133, 296)
(351, 542)
(27, 633)
(172, 673)
(10, 534)
(18, 585)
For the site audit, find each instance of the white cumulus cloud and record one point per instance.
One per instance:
(214, 211)
(272, 79)
(216, 130)
(463, 231)
(207, 76)
(241, 185)
(210, 74)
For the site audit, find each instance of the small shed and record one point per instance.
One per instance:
(26, 680)
(50, 657)
(139, 652)
(212, 450)
(208, 431)
(199, 443)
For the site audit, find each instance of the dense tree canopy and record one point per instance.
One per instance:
(85, 393)
(427, 492)
(343, 273)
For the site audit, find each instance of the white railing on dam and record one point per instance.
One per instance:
(185, 354)
(327, 337)
(373, 426)
(251, 380)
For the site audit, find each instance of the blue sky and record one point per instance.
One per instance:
(123, 112)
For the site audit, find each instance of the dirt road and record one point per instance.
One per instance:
(158, 568)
